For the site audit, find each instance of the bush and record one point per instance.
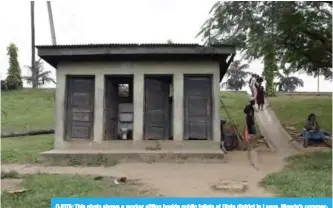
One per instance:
(13, 80)
(13, 83)
(3, 85)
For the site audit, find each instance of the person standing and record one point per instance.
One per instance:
(250, 123)
(260, 96)
(252, 85)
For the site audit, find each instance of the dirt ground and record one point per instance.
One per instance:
(11, 184)
(176, 179)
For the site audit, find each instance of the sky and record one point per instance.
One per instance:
(112, 21)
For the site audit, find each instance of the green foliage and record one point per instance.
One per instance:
(3, 85)
(298, 33)
(286, 82)
(270, 68)
(236, 76)
(42, 76)
(305, 42)
(13, 80)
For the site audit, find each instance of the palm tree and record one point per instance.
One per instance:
(236, 76)
(41, 75)
(286, 82)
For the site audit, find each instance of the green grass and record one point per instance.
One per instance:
(27, 109)
(308, 175)
(25, 149)
(41, 187)
(294, 110)
(235, 103)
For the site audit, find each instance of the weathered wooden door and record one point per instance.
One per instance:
(197, 107)
(80, 107)
(111, 110)
(156, 122)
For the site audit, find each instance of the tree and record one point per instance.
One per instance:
(295, 35)
(13, 80)
(236, 76)
(286, 82)
(169, 41)
(305, 42)
(42, 76)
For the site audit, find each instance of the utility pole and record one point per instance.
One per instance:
(33, 51)
(318, 83)
(49, 9)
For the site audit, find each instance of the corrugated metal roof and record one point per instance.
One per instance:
(115, 45)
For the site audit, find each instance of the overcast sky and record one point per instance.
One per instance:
(113, 21)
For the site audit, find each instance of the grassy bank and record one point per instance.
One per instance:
(292, 111)
(235, 103)
(26, 110)
(308, 175)
(25, 149)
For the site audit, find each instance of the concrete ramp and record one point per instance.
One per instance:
(277, 137)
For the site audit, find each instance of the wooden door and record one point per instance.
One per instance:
(156, 122)
(197, 107)
(80, 107)
(111, 110)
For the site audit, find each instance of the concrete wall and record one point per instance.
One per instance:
(139, 69)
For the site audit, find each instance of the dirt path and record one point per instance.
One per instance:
(172, 179)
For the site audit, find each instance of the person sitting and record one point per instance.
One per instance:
(312, 131)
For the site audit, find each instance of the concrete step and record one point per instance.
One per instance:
(112, 157)
(171, 145)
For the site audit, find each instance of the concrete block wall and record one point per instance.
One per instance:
(138, 69)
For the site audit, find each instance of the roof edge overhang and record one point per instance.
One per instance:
(133, 49)
(53, 54)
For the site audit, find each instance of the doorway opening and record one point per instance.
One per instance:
(158, 110)
(118, 107)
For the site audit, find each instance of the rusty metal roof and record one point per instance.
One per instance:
(115, 45)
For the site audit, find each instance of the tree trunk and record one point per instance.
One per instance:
(33, 51)
(270, 67)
